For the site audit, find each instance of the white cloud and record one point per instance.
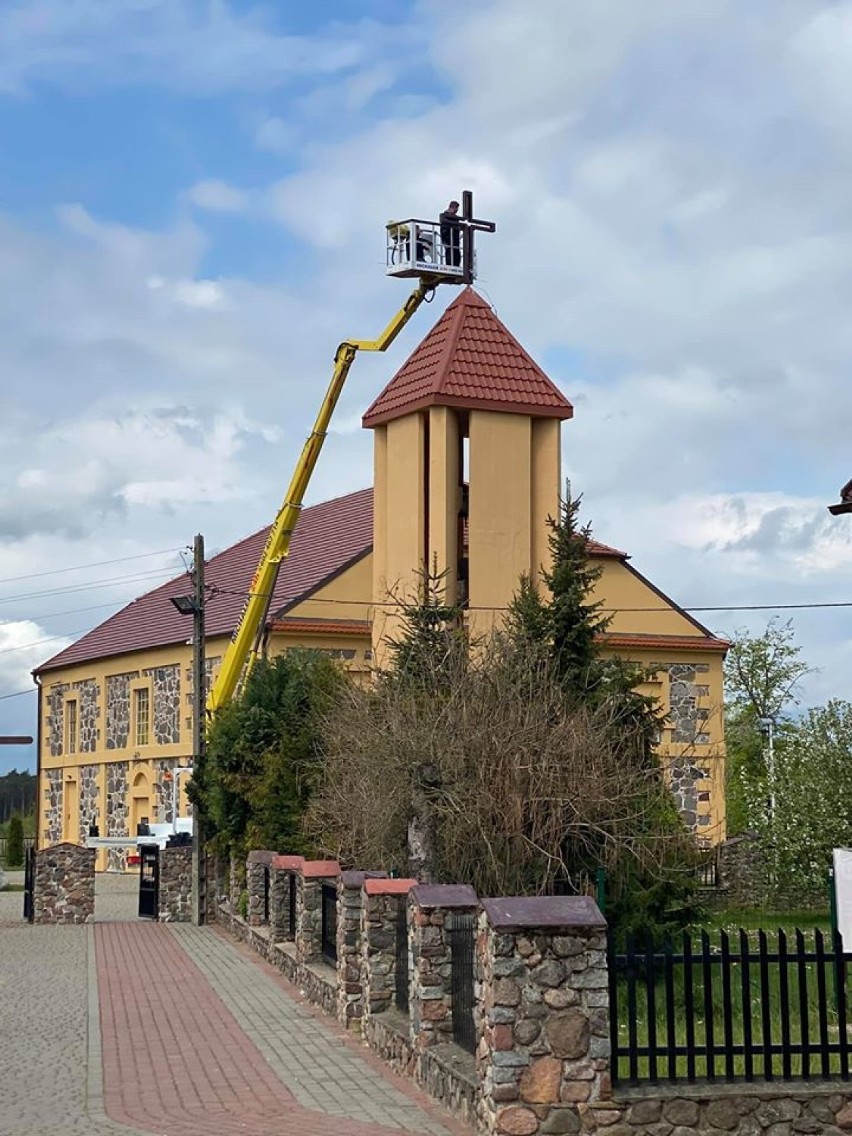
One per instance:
(218, 197)
(23, 645)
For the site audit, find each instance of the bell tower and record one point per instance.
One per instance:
(467, 467)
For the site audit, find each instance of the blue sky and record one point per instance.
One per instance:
(192, 202)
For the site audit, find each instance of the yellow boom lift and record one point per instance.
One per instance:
(431, 252)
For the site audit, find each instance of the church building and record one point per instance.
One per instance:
(466, 473)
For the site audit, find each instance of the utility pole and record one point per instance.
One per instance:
(199, 725)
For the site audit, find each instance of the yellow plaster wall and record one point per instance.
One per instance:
(545, 489)
(622, 590)
(400, 518)
(347, 596)
(444, 498)
(499, 520)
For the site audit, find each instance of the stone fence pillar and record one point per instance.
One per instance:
(64, 884)
(543, 1056)
(350, 995)
(235, 884)
(309, 881)
(379, 925)
(283, 872)
(175, 892)
(257, 868)
(431, 1005)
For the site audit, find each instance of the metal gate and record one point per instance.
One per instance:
(149, 881)
(29, 883)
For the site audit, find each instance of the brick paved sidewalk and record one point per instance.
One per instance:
(177, 1061)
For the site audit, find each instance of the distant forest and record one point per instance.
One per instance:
(17, 794)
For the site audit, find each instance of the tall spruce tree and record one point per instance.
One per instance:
(565, 626)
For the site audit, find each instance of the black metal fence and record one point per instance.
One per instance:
(707, 872)
(401, 967)
(460, 931)
(329, 923)
(291, 906)
(731, 1007)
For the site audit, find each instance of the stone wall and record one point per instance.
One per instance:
(64, 884)
(284, 870)
(431, 958)
(257, 866)
(55, 718)
(53, 794)
(741, 1110)
(118, 709)
(117, 812)
(89, 733)
(175, 898)
(90, 812)
(309, 883)
(380, 905)
(165, 683)
(543, 1058)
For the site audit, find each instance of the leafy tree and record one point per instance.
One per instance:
(813, 767)
(263, 752)
(762, 677)
(15, 842)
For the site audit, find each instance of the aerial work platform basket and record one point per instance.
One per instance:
(415, 248)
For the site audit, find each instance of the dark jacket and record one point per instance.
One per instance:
(450, 227)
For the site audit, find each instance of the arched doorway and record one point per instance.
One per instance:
(140, 801)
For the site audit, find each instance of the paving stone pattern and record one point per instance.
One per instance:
(45, 1008)
(325, 1070)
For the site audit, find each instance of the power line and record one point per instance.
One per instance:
(18, 693)
(93, 564)
(214, 590)
(48, 639)
(90, 586)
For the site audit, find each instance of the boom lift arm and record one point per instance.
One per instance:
(247, 641)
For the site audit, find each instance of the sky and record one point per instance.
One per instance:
(193, 196)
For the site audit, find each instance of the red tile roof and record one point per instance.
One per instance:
(469, 359)
(597, 549)
(645, 642)
(328, 538)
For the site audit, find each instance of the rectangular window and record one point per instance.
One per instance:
(71, 726)
(142, 715)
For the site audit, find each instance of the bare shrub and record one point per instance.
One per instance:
(508, 783)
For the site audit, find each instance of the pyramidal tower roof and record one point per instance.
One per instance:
(470, 360)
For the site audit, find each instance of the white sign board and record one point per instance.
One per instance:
(843, 894)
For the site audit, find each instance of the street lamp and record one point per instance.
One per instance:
(845, 503)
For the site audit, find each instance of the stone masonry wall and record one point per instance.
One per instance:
(116, 812)
(431, 959)
(175, 900)
(309, 881)
(118, 709)
(64, 884)
(165, 682)
(53, 794)
(738, 1110)
(54, 719)
(90, 812)
(379, 916)
(257, 865)
(88, 693)
(284, 871)
(543, 1057)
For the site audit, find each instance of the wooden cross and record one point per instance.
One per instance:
(471, 225)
